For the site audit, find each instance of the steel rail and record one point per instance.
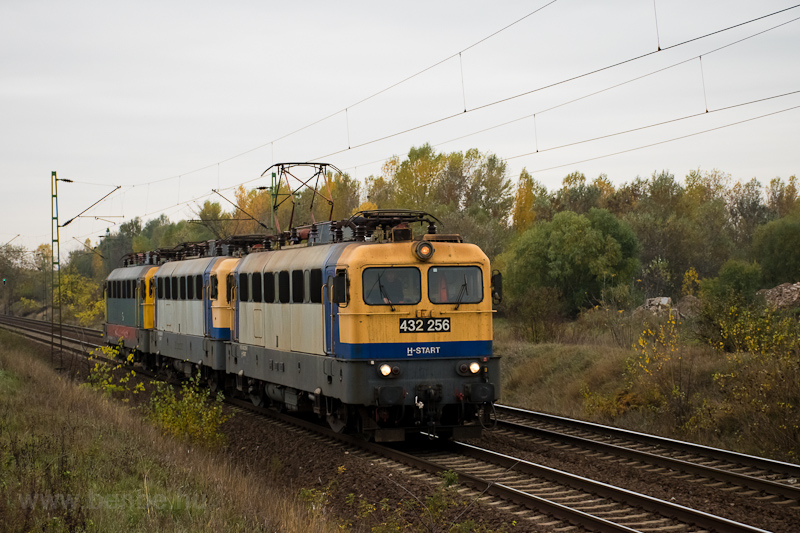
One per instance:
(770, 465)
(717, 474)
(664, 508)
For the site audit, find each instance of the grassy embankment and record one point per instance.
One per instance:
(72, 460)
(671, 385)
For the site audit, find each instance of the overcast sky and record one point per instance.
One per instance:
(143, 94)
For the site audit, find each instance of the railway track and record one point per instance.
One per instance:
(761, 478)
(530, 493)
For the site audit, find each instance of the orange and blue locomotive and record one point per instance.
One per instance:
(356, 320)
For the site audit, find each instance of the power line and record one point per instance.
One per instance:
(555, 84)
(617, 85)
(474, 109)
(392, 86)
(707, 112)
(662, 142)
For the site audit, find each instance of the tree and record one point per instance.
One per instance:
(746, 211)
(490, 191)
(782, 198)
(777, 247)
(578, 255)
(415, 179)
(523, 215)
(575, 195)
(215, 219)
(380, 192)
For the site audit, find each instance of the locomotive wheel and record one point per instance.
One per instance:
(215, 381)
(338, 419)
(361, 425)
(257, 395)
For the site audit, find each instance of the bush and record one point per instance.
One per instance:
(664, 369)
(776, 249)
(192, 415)
(762, 390)
(536, 314)
(734, 288)
(103, 374)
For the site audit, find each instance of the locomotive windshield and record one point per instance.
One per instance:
(392, 286)
(455, 285)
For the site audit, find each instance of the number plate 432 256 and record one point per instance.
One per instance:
(424, 325)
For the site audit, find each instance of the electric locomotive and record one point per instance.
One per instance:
(356, 321)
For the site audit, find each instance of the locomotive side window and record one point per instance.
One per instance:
(269, 287)
(243, 288)
(198, 287)
(174, 287)
(167, 288)
(229, 288)
(151, 287)
(256, 288)
(214, 287)
(283, 287)
(392, 286)
(315, 286)
(159, 287)
(190, 288)
(455, 285)
(298, 286)
(183, 287)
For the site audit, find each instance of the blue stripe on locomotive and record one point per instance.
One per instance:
(405, 350)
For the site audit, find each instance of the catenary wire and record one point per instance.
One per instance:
(549, 86)
(477, 108)
(617, 85)
(659, 142)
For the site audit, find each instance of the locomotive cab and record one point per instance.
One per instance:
(412, 321)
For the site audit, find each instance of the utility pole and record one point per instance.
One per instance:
(55, 255)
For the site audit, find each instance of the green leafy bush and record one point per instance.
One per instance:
(191, 415)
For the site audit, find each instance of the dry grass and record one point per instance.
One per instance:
(676, 393)
(122, 474)
(552, 377)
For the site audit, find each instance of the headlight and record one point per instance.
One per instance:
(474, 367)
(385, 370)
(423, 250)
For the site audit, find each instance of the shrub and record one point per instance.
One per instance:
(103, 374)
(776, 249)
(665, 370)
(762, 389)
(537, 313)
(192, 415)
(734, 288)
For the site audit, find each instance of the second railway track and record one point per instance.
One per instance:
(764, 478)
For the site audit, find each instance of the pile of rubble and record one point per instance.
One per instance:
(687, 306)
(786, 296)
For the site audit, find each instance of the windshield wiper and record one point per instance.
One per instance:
(464, 290)
(384, 294)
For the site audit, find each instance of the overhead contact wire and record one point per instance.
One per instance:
(661, 142)
(555, 84)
